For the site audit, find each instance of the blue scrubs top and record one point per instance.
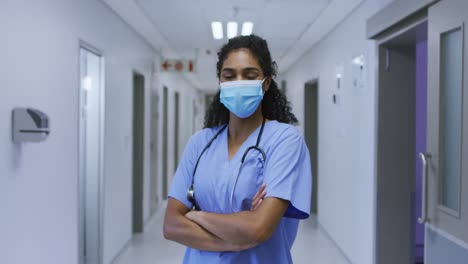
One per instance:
(286, 172)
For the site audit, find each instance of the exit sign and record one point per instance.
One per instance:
(173, 65)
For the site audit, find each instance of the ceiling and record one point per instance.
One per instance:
(182, 28)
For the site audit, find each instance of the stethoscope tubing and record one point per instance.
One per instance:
(240, 167)
(191, 191)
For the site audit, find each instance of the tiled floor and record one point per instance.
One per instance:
(311, 246)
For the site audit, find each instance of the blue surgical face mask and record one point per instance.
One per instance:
(241, 97)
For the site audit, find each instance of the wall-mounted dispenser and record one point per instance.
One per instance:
(29, 125)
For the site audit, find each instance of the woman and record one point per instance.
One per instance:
(245, 180)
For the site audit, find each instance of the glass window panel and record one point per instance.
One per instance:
(451, 67)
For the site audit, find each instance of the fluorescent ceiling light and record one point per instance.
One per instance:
(247, 28)
(231, 29)
(217, 29)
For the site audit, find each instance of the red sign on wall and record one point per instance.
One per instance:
(171, 65)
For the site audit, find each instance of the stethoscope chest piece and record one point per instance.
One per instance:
(191, 194)
(191, 198)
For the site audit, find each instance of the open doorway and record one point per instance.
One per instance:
(138, 151)
(401, 136)
(91, 154)
(311, 134)
(434, 33)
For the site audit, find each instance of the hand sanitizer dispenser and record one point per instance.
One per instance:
(29, 125)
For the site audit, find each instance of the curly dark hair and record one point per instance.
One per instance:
(275, 106)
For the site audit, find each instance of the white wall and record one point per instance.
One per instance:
(39, 182)
(346, 132)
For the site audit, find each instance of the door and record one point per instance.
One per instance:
(311, 134)
(138, 150)
(176, 130)
(154, 151)
(165, 188)
(194, 116)
(91, 155)
(445, 211)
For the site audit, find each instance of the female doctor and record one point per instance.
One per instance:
(245, 180)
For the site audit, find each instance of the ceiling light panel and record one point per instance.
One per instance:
(231, 29)
(247, 28)
(217, 30)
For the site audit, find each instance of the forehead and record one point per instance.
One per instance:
(239, 59)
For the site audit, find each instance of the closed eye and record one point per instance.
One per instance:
(228, 77)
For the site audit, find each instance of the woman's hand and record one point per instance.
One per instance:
(258, 197)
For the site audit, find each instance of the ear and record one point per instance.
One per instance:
(266, 84)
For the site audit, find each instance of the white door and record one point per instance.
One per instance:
(91, 156)
(445, 212)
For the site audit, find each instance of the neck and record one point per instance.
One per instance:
(241, 128)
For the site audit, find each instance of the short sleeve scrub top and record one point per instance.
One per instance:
(286, 171)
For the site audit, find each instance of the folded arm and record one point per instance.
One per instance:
(245, 227)
(179, 228)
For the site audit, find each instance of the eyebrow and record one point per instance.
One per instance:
(244, 70)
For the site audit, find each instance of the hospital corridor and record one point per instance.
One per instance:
(234, 131)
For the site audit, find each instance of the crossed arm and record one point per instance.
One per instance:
(224, 232)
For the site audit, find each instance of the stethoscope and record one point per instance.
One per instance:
(191, 190)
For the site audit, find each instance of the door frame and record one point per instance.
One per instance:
(83, 45)
(410, 24)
